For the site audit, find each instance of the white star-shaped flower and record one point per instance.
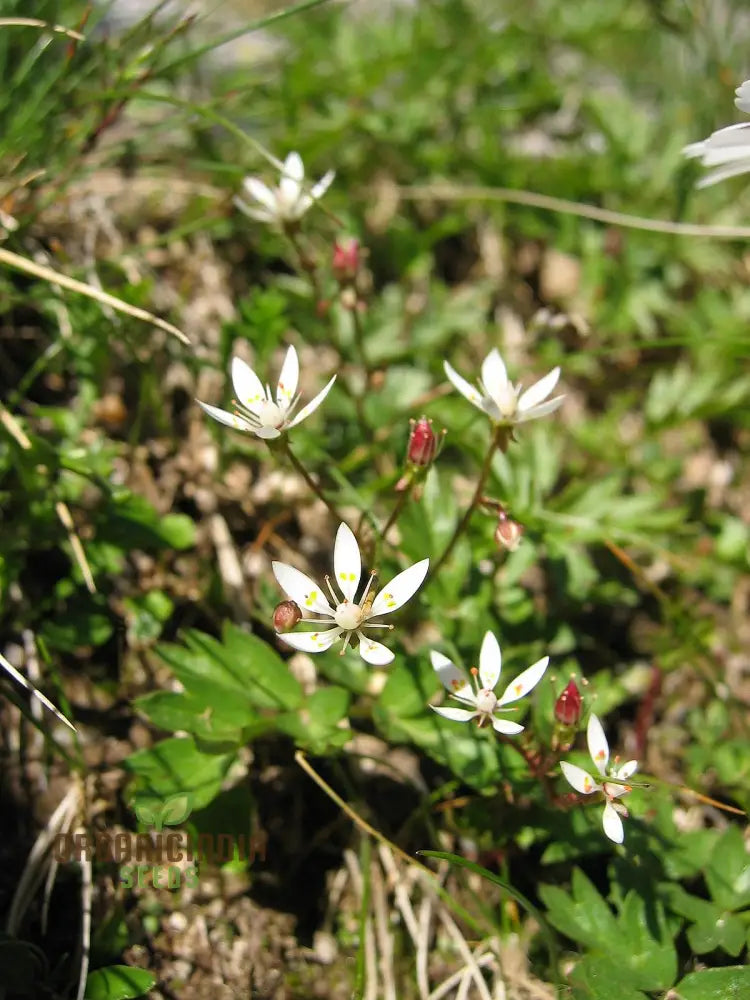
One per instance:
(289, 201)
(256, 410)
(583, 782)
(481, 694)
(346, 615)
(503, 402)
(728, 149)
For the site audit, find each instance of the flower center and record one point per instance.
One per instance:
(507, 401)
(269, 414)
(348, 616)
(486, 701)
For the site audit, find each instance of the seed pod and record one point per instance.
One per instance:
(286, 615)
(508, 533)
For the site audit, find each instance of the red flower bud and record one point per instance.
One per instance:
(568, 705)
(286, 615)
(508, 533)
(422, 443)
(346, 260)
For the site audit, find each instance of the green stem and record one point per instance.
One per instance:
(359, 339)
(315, 487)
(397, 508)
(394, 515)
(500, 438)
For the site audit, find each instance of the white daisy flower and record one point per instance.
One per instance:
(503, 402)
(289, 201)
(256, 411)
(728, 149)
(346, 615)
(583, 782)
(480, 696)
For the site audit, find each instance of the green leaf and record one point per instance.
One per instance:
(723, 930)
(316, 726)
(600, 978)
(208, 712)
(81, 625)
(242, 664)
(638, 938)
(177, 531)
(731, 983)
(583, 916)
(177, 766)
(130, 522)
(728, 872)
(146, 615)
(118, 982)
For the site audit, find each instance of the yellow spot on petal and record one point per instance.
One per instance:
(600, 755)
(518, 688)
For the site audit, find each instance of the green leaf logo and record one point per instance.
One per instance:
(147, 812)
(173, 811)
(176, 809)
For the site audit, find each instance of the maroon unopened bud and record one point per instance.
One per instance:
(508, 533)
(568, 705)
(346, 260)
(422, 443)
(286, 615)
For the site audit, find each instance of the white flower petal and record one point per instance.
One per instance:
(302, 589)
(247, 386)
(303, 204)
(288, 378)
(374, 652)
(524, 682)
(452, 679)
(455, 714)
(505, 727)
(403, 586)
(624, 771)
(319, 189)
(722, 173)
(294, 168)
(538, 391)
(494, 375)
(267, 433)
(598, 746)
(258, 214)
(730, 143)
(224, 417)
(312, 405)
(347, 564)
(580, 780)
(465, 388)
(490, 661)
(542, 410)
(290, 185)
(612, 824)
(311, 642)
(742, 96)
(259, 192)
